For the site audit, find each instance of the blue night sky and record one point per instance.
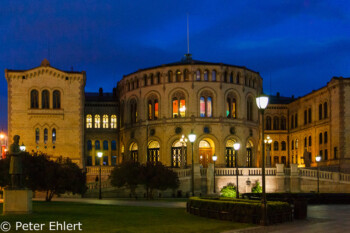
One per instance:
(297, 46)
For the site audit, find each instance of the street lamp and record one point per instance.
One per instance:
(214, 159)
(268, 141)
(318, 159)
(236, 147)
(192, 138)
(183, 141)
(22, 147)
(99, 155)
(262, 101)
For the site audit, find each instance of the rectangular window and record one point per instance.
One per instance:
(310, 117)
(305, 117)
(325, 154)
(175, 108)
(335, 152)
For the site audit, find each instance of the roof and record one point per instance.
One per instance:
(97, 97)
(277, 99)
(187, 60)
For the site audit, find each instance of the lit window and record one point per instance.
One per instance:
(202, 107)
(213, 76)
(231, 106)
(156, 111)
(53, 136)
(182, 107)
(97, 121)
(179, 105)
(105, 121)
(113, 121)
(37, 135)
(175, 108)
(150, 110)
(205, 75)
(88, 121)
(209, 107)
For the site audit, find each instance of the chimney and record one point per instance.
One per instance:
(100, 91)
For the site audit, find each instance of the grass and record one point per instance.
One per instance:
(108, 219)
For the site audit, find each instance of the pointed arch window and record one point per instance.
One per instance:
(37, 135)
(213, 76)
(97, 121)
(225, 77)
(310, 142)
(105, 121)
(170, 76)
(179, 105)
(237, 78)
(178, 76)
(268, 123)
(206, 75)
(54, 136)
(283, 123)
(151, 78)
(46, 135)
(45, 99)
(198, 75)
(88, 121)
(153, 105)
(158, 78)
(206, 104)
(320, 138)
(56, 98)
(231, 106)
(325, 110)
(231, 77)
(34, 99)
(113, 122)
(145, 80)
(133, 111)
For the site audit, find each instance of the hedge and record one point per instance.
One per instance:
(239, 210)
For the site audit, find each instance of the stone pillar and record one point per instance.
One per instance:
(197, 179)
(294, 185)
(210, 178)
(280, 184)
(17, 201)
(279, 169)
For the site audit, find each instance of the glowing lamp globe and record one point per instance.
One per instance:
(99, 154)
(236, 146)
(22, 147)
(192, 137)
(318, 158)
(262, 101)
(215, 158)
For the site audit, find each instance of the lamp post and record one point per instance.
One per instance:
(192, 138)
(183, 141)
(22, 147)
(262, 102)
(99, 155)
(268, 141)
(236, 147)
(318, 159)
(214, 159)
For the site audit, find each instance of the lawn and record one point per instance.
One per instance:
(102, 218)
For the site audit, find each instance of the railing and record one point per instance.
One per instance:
(96, 185)
(344, 177)
(227, 171)
(182, 172)
(312, 173)
(94, 170)
(258, 171)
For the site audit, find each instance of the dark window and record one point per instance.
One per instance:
(97, 145)
(276, 123)
(237, 78)
(305, 142)
(325, 137)
(268, 123)
(225, 77)
(325, 154)
(292, 122)
(54, 136)
(170, 76)
(310, 116)
(283, 123)
(321, 154)
(325, 109)
(158, 78)
(275, 146)
(249, 109)
(56, 99)
(89, 145)
(34, 99)
(310, 142)
(320, 112)
(335, 152)
(320, 138)
(46, 135)
(231, 77)
(37, 135)
(292, 144)
(296, 120)
(152, 80)
(45, 99)
(213, 76)
(114, 145)
(198, 75)
(186, 75)
(305, 117)
(133, 111)
(145, 80)
(105, 145)
(178, 76)
(206, 75)
(284, 145)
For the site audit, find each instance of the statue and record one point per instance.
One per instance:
(16, 164)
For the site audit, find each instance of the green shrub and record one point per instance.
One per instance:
(228, 191)
(257, 188)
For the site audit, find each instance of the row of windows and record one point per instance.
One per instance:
(46, 135)
(276, 146)
(105, 121)
(179, 76)
(322, 111)
(45, 99)
(277, 123)
(179, 107)
(104, 144)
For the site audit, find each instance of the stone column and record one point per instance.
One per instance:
(210, 178)
(197, 179)
(280, 185)
(294, 178)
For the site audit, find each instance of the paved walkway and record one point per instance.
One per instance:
(321, 219)
(155, 203)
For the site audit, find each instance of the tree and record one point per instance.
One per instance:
(156, 176)
(228, 191)
(126, 174)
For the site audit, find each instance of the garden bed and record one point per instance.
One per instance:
(241, 210)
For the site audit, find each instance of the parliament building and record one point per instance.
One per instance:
(150, 110)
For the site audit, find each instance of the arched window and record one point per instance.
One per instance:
(153, 110)
(206, 104)
(186, 75)
(56, 97)
(145, 80)
(151, 78)
(114, 145)
(179, 105)
(296, 143)
(276, 123)
(158, 78)
(170, 76)
(45, 99)
(310, 116)
(296, 120)
(320, 109)
(310, 142)
(320, 138)
(284, 146)
(231, 106)
(88, 121)
(305, 142)
(105, 145)
(213, 76)
(97, 121)
(178, 76)
(292, 144)
(246, 80)
(249, 109)
(268, 123)
(46, 135)
(133, 111)
(292, 122)
(105, 121)
(54, 136)
(34, 99)
(113, 121)
(231, 77)
(97, 145)
(283, 123)
(134, 151)
(237, 78)
(198, 75)
(89, 145)
(325, 110)
(275, 146)
(206, 75)
(325, 139)
(225, 77)
(37, 135)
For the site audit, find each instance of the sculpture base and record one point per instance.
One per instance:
(17, 201)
